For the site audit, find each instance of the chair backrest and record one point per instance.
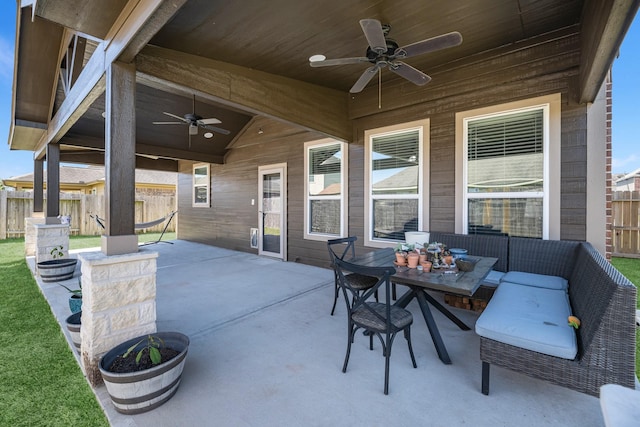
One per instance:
(355, 299)
(337, 249)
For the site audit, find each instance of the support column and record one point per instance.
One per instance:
(118, 303)
(53, 184)
(49, 236)
(37, 216)
(38, 188)
(120, 139)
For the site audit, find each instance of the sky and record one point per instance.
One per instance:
(626, 93)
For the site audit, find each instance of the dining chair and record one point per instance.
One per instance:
(342, 249)
(381, 319)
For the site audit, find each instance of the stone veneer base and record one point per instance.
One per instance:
(118, 303)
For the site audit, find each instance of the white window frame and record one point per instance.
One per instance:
(422, 126)
(344, 191)
(206, 204)
(551, 107)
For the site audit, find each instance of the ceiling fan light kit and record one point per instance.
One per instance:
(385, 52)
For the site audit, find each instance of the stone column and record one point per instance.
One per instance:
(49, 236)
(118, 303)
(30, 233)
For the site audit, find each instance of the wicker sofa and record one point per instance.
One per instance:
(603, 299)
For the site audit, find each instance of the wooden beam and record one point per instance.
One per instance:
(53, 183)
(87, 157)
(604, 26)
(120, 137)
(131, 28)
(309, 106)
(142, 148)
(38, 186)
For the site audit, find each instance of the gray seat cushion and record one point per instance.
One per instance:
(538, 280)
(531, 318)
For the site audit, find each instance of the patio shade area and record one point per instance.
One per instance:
(266, 352)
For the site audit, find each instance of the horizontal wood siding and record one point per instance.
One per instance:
(228, 221)
(535, 68)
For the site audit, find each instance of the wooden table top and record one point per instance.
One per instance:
(460, 283)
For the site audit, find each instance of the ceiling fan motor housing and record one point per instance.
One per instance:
(373, 56)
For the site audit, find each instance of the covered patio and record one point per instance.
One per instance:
(265, 351)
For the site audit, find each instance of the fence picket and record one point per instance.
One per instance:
(16, 206)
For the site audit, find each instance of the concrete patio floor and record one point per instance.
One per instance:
(266, 352)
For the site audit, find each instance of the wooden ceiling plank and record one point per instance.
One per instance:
(310, 106)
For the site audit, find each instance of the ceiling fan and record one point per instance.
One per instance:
(195, 121)
(384, 52)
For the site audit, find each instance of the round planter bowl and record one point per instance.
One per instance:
(142, 391)
(56, 270)
(458, 253)
(73, 326)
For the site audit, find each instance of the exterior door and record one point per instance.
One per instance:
(272, 188)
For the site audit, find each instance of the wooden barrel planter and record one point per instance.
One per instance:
(142, 391)
(73, 326)
(56, 270)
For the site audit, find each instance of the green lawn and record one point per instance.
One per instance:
(41, 383)
(630, 267)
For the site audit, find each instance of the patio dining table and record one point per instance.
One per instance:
(418, 281)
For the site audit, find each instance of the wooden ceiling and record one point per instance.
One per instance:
(276, 38)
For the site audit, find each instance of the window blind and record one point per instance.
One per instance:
(399, 150)
(506, 135)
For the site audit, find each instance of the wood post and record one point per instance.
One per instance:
(53, 184)
(120, 138)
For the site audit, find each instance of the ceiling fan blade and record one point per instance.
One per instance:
(210, 121)
(429, 45)
(409, 73)
(216, 129)
(375, 36)
(364, 79)
(339, 61)
(175, 117)
(168, 123)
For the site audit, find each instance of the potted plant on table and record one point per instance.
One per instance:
(58, 268)
(144, 372)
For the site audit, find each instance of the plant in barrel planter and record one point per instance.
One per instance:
(75, 300)
(58, 268)
(144, 372)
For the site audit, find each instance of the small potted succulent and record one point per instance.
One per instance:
(57, 269)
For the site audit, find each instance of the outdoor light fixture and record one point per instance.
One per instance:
(316, 58)
(260, 131)
(208, 135)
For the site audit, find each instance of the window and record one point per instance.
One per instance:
(325, 189)
(506, 174)
(395, 182)
(201, 183)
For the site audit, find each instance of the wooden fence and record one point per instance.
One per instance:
(15, 206)
(626, 224)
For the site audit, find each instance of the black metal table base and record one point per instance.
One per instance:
(424, 299)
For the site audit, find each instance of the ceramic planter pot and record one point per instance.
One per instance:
(56, 270)
(401, 258)
(142, 391)
(73, 326)
(75, 303)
